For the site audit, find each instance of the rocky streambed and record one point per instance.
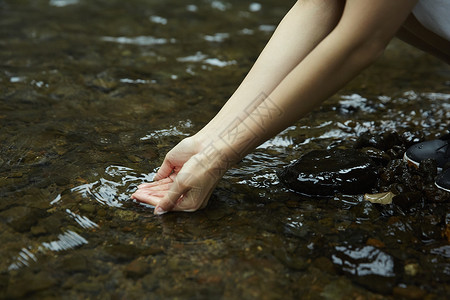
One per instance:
(94, 93)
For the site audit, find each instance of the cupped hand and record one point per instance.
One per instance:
(185, 180)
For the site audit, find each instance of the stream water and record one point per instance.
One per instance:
(94, 93)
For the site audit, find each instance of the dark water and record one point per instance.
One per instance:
(94, 93)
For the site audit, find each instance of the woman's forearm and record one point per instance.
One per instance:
(300, 31)
(337, 59)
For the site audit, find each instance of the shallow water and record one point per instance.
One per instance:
(94, 93)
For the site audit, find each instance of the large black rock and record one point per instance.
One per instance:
(326, 172)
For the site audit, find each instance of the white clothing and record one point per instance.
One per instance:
(434, 15)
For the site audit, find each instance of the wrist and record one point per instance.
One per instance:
(216, 158)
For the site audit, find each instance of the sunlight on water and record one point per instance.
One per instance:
(175, 130)
(139, 40)
(364, 261)
(62, 3)
(112, 192)
(65, 241)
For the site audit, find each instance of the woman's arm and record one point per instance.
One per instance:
(305, 25)
(360, 36)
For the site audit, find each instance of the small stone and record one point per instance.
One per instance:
(446, 232)
(73, 280)
(375, 242)
(152, 250)
(127, 215)
(412, 269)
(29, 283)
(89, 286)
(101, 212)
(407, 200)
(409, 292)
(291, 261)
(88, 208)
(74, 263)
(124, 252)
(324, 264)
(38, 230)
(61, 181)
(17, 174)
(134, 158)
(150, 282)
(21, 218)
(136, 269)
(378, 156)
(428, 169)
(383, 141)
(376, 271)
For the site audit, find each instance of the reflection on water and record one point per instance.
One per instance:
(364, 261)
(93, 96)
(139, 40)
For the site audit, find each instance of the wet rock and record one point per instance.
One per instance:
(293, 262)
(38, 230)
(392, 171)
(73, 280)
(412, 269)
(429, 228)
(150, 282)
(411, 138)
(136, 269)
(123, 252)
(367, 266)
(87, 208)
(29, 283)
(134, 158)
(62, 181)
(89, 287)
(50, 223)
(446, 231)
(152, 250)
(324, 264)
(409, 292)
(339, 289)
(407, 200)
(326, 172)
(384, 141)
(428, 170)
(296, 226)
(375, 242)
(74, 263)
(433, 194)
(377, 155)
(126, 215)
(21, 218)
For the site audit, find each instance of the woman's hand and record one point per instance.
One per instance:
(185, 180)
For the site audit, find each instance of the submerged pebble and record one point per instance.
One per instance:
(21, 218)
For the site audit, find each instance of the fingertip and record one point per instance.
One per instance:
(159, 211)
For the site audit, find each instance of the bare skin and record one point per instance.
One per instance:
(317, 42)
